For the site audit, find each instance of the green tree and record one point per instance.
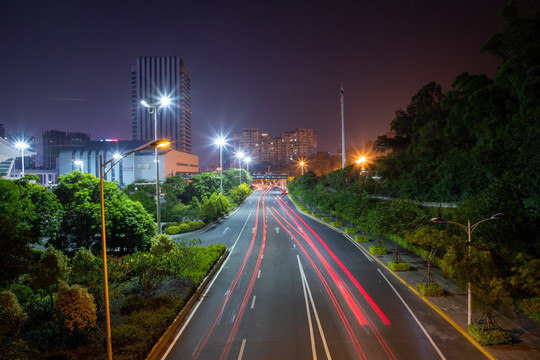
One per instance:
(129, 226)
(50, 270)
(16, 232)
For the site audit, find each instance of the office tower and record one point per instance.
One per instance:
(152, 78)
(55, 141)
(2, 131)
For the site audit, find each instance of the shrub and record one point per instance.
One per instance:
(309, 212)
(77, 306)
(302, 208)
(337, 223)
(317, 215)
(173, 230)
(493, 336)
(361, 238)
(132, 303)
(399, 266)
(195, 225)
(152, 322)
(351, 230)
(377, 250)
(327, 219)
(430, 289)
(161, 244)
(125, 335)
(184, 228)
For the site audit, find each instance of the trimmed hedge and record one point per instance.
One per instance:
(361, 238)
(430, 289)
(377, 250)
(493, 336)
(327, 219)
(309, 212)
(399, 266)
(317, 215)
(184, 227)
(337, 223)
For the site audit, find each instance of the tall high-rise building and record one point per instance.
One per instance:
(152, 78)
(55, 141)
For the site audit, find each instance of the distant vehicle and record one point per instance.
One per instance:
(284, 192)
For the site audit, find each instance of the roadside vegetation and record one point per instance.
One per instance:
(476, 146)
(52, 299)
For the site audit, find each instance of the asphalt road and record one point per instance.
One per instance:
(293, 288)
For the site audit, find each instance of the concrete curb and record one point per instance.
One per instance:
(167, 336)
(427, 301)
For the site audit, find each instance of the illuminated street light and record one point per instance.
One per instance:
(362, 161)
(79, 164)
(247, 160)
(302, 164)
(240, 155)
(153, 109)
(220, 142)
(469, 230)
(103, 171)
(21, 145)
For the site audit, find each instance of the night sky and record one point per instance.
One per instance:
(275, 65)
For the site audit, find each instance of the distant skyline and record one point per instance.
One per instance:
(276, 65)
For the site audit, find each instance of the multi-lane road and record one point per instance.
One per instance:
(293, 288)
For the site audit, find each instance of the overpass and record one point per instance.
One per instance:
(270, 176)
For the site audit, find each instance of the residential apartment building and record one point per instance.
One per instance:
(152, 78)
(286, 148)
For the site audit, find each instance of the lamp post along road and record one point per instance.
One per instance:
(469, 230)
(103, 171)
(153, 110)
(21, 145)
(220, 142)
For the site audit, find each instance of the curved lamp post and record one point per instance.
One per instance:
(220, 142)
(469, 230)
(103, 171)
(21, 145)
(153, 109)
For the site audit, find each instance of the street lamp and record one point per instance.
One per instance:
(247, 160)
(362, 161)
(79, 164)
(220, 142)
(153, 109)
(21, 145)
(103, 171)
(469, 230)
(302, 166)
(240, 155)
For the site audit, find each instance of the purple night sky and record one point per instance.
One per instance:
(275, 65)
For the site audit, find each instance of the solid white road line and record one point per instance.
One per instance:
(414, 317)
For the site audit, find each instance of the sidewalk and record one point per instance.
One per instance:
(525, 332)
